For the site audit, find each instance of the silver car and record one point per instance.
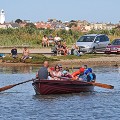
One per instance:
(92, 42)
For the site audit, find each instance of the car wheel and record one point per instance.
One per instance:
(94, 50)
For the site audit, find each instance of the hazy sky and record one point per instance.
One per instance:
(65, 10)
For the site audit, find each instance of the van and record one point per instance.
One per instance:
(91, 43)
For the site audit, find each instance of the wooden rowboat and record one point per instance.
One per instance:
(45, 87)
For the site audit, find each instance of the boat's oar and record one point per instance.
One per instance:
(13, 85)
(95, 84)
(102, 85)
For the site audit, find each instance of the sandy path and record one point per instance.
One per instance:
(32, 50)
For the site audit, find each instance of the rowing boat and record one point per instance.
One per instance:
(46, 87)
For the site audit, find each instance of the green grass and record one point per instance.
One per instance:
(85, 56)
(36, 59)
(39, 58)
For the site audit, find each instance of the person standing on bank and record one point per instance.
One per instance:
(14, 52)
(45, 71)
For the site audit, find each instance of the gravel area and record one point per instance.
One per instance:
(101, 61)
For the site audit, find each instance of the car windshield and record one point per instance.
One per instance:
(116, 42)
(86, 39)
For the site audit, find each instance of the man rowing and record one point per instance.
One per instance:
(45, 71)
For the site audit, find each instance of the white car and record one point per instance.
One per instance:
(92, 42)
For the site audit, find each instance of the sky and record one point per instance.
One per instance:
(65, 10)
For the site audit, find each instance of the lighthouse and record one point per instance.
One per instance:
(2, 17)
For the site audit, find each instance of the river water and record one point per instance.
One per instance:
(21, 103)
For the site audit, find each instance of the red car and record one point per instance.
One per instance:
(114, 47)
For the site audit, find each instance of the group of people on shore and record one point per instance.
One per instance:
(46, 41)
(25, 53)
(58, 73)
(59, 46)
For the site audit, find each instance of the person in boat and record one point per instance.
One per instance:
(85, 67)
(82, 76)
(67, 69)
(60, 66)
(45, 71)
(57, 73)
(91, 77)
(66, 74)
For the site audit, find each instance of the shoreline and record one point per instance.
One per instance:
(110, 60)
(101, 61)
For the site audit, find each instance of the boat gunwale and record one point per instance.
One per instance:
(67, 81)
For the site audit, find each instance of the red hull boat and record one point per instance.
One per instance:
(45, 87)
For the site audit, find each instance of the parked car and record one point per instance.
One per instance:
(92, 42)
(114, 47)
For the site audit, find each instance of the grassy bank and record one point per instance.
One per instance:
(34, 59)
(72, 57)
(39, 58)
(33, 37)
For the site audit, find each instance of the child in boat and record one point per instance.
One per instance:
(66, 74)
(91, 77)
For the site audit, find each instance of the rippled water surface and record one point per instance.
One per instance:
(21, 103)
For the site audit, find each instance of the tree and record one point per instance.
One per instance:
(31, 25)
(73, 21)
(18, 21)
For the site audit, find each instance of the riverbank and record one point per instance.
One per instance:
(113, 60)
(102, 60)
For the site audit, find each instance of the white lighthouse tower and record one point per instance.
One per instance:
(2, 17)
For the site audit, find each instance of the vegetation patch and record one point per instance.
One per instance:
(34, 59)
(85, 56)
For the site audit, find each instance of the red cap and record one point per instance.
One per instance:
(81, 70)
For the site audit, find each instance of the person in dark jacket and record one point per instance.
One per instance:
(14, 52)
(91, 77)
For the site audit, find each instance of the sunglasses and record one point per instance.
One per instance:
(56, 68)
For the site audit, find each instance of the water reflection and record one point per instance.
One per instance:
(18, 69)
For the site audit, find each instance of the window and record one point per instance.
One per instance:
(86, 39)
(106, 38)
(97, 39)
(102, 38)
(116, 42)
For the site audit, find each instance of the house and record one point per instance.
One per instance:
(43, 25)
(13, 25)
(3, 26)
